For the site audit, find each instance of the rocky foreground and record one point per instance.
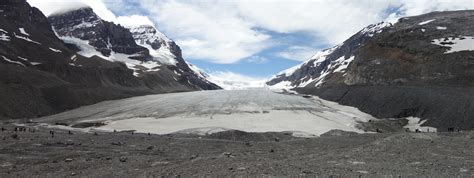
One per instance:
(37, 153)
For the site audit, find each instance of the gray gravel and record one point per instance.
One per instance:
(234, 153)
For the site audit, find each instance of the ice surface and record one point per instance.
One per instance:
(415, 123)
(463, 43)
(207, 111)
(282, 85)
(235, 83)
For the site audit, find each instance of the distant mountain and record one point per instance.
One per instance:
(91, 61)
(166, 52)
(145, 50)
(421, 66)
(326, 62)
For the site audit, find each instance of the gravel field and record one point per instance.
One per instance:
(26, 154)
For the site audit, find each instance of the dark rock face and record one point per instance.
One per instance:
(105, 36)
(41, 75)
(402, 72)
(405, 54)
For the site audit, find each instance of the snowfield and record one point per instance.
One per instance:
(205, 112)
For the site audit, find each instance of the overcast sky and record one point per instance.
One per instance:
(254, 38)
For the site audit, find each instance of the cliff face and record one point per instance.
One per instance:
(106, 37)
(421, 66)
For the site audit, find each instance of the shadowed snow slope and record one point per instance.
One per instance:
(213, 111)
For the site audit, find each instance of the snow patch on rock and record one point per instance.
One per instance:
(463, 43)
(373, 29)
(55, 50)
(4, 35)
(26, 39)
(12, 61)
(89, 51)
(426, 22)
(146, 35)
(22, 31)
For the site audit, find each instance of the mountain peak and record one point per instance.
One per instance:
(149, 32)
(74, 9)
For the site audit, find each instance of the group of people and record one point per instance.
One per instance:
(20, 129)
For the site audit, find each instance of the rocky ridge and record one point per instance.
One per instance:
(420, 66)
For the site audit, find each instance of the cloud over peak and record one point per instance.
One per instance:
(49, 7)
(230, 31)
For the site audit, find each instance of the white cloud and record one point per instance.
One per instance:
(297, 53)
(224, 31)
(234, 81)
(418, 7)
(133, 20)
(332, 20)
(209, 30)
(49, 7)
(228, 31)
(257, 59)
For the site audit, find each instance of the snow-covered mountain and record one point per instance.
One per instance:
(82, 61)
(422, 66)
(142, 49)
(161, 48)
(333, 60)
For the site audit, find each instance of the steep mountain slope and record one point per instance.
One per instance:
(328, 61)
(421, 66)
(41, 75)
(165, 52)
(149, 53)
